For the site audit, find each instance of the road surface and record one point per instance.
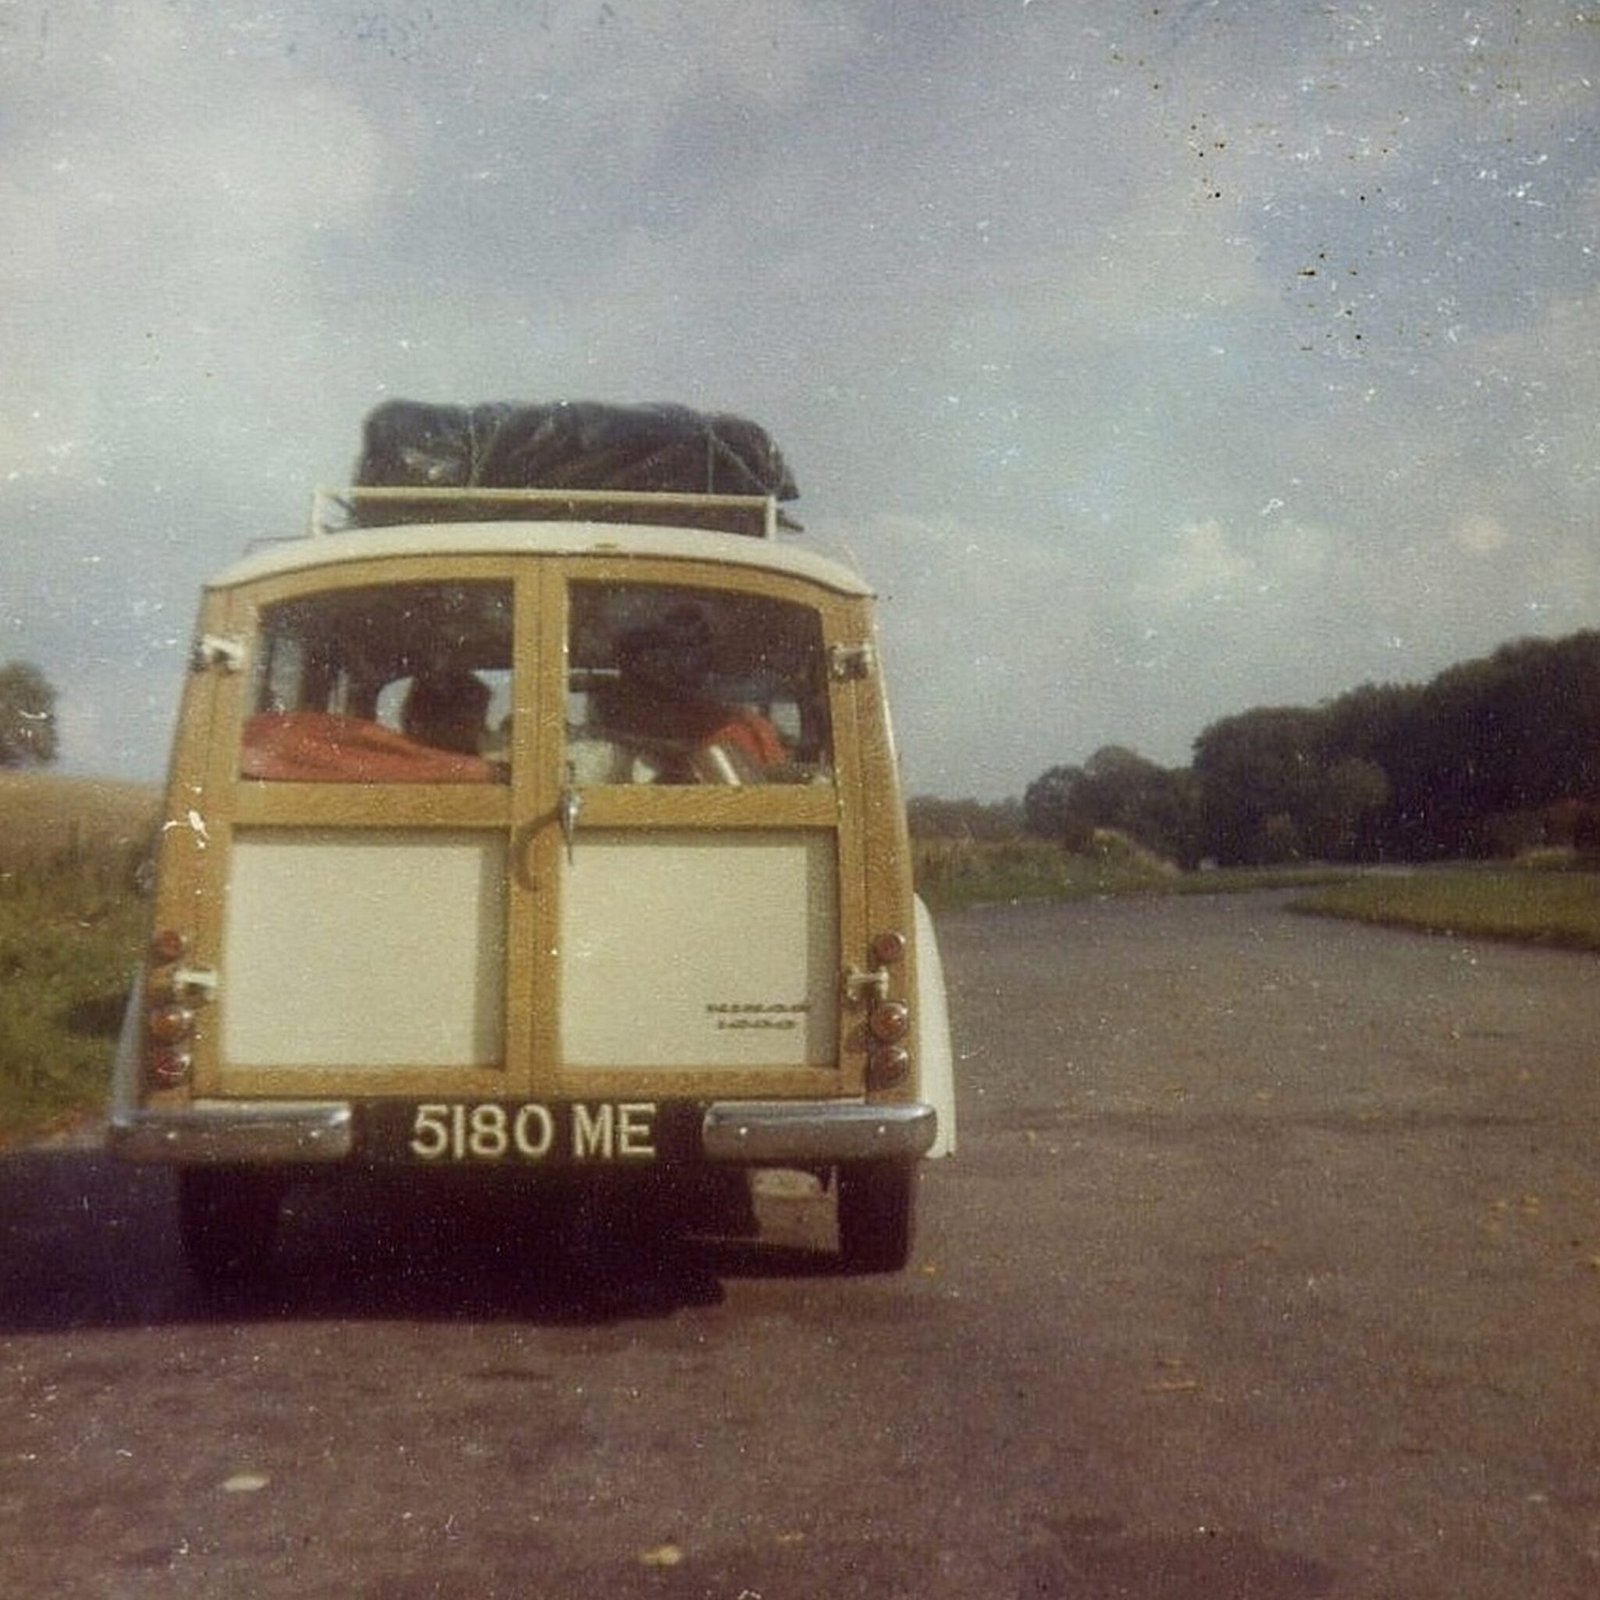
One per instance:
(1269, 1267)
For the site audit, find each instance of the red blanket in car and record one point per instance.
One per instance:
(321, 747)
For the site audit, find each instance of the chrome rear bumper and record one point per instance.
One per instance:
(235, 1133)
(808, 1132)
(299, 1132)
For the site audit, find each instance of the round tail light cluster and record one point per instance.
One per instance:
(168, 1025)
(888, 1021)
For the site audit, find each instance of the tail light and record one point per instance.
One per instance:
(886, 1068)
(888, 1021)
(168, 1024)
(168, 1068)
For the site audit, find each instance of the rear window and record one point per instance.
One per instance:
(383, 684)
(671, 684)
(412, 683)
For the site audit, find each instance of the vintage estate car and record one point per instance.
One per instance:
(544, 832)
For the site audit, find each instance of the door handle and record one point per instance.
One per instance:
(571, 805)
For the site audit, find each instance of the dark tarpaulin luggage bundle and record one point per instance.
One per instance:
(567, 444)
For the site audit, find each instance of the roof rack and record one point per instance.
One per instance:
(335, 511)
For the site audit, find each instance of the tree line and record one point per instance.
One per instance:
(1489, 758)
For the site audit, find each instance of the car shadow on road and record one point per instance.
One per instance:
(89, 1242)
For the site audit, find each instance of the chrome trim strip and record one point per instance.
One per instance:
(228, 1133)
(806, 1131)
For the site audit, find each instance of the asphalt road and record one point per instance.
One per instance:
(1269, 1267)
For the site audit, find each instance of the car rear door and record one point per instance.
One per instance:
(688, 870)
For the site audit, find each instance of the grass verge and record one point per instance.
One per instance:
(952, 873)
(1554, 909)
(70, 923)
(961, 872)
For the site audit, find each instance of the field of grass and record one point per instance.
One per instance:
(69, 929)
(1559, 909)
(46, 820)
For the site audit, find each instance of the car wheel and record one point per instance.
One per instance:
(876, 1215)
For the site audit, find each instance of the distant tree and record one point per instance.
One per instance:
(1490, 756)
(1150, 803)
(1259, 774)
(1475, 756)
(1387, 727)
(1116, 788)
(27, 716)
(1526, 721)
(1047, 807)
(1351, 791)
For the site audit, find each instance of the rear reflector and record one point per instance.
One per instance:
(169, 1024)
(887, 1067)
(889, 1020)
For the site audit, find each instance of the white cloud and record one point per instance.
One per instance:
(1163, 261)
(169, 206)
(45, 423)
(1202, 567)
(1479, 534)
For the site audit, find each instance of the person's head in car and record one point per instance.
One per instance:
(445, 709)
(671, 659)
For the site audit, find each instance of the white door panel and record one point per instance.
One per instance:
(682, 949)
(365, 949)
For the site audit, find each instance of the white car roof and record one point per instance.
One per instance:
(316, 551)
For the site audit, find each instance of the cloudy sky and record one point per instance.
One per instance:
(1157, 360)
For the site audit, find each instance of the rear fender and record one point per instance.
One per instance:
(933, 1033)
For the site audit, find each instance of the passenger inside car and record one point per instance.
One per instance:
(663, 707)
(445, 709)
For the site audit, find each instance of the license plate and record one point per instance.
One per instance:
(528, 1132)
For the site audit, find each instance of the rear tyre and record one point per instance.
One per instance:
(877, 1215)
(227, 1221)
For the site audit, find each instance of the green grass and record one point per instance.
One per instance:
(1560, 909)
(1250, 880)
(70, 925)
(64, 970)
(960, 872)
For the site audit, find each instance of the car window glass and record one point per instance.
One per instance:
(394, 683)
(671, 684)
